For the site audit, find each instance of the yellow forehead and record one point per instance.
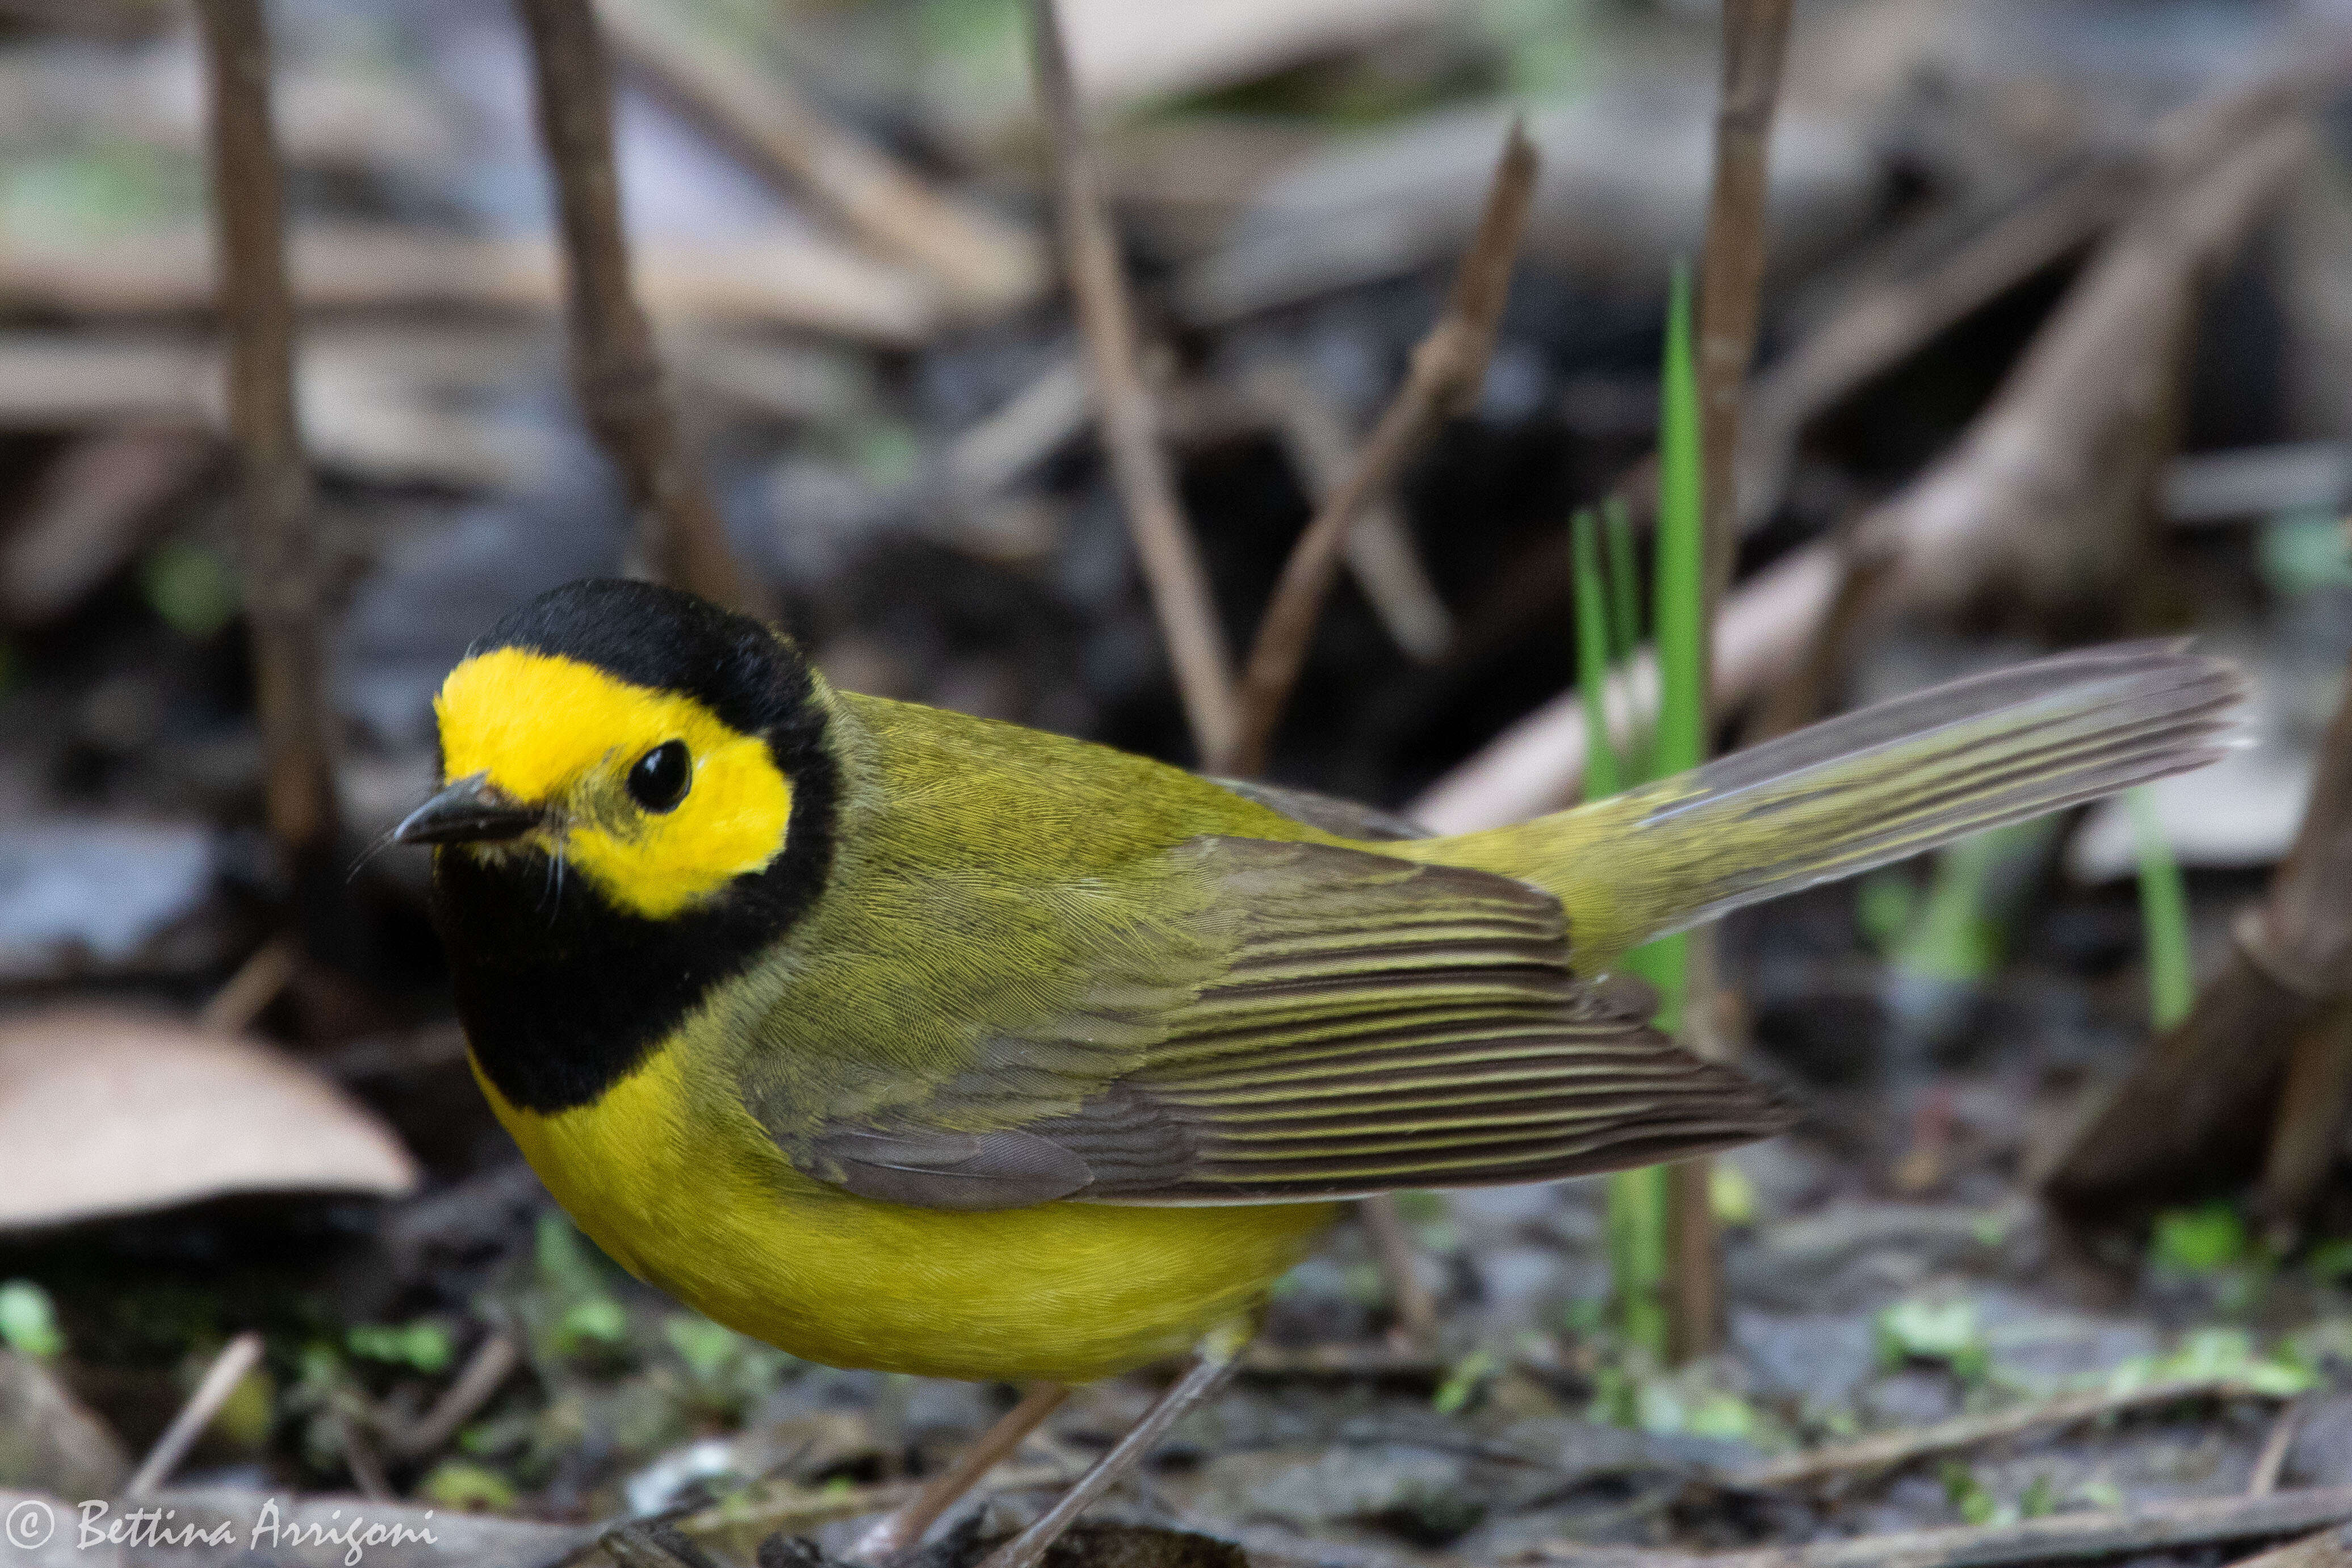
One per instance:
(536, 721)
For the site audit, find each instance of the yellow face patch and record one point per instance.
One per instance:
(563, 735)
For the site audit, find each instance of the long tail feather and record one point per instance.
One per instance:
(1862, 790)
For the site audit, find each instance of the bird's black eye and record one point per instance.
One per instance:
(659, 780)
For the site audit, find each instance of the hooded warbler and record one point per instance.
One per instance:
(903, 1039)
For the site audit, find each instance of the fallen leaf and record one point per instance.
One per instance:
(49, 1440)
(107, 1111)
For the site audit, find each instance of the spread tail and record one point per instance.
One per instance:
(1856, 792)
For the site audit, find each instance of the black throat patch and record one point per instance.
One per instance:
(562, 994)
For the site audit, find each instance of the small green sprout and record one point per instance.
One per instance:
(1946, 1331)
(424, 1345)
(1464, 1381)
(2163, 917)
(28, 1322)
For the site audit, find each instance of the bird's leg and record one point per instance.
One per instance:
(903, 1526)
(1218, 1352)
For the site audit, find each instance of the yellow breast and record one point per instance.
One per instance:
(687, 1191)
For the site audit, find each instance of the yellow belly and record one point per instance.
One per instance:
(706, 1209)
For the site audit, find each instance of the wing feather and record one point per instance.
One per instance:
(1370, 1023)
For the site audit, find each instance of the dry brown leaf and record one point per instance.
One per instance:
(107, 1111)
(49, 1440)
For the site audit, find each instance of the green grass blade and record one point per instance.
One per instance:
(1680, 588)
(1975, 897)
(1958, 937)
(1639, 1205)
(1625, 620)
(1601, 774)
(1637, 1255)
(1624, 579)
(1639, 1200)
(1960, 927)
(2164, 916)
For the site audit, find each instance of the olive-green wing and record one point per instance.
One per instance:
(1360, 1023)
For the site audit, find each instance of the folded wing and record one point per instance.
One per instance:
(1369, 1025)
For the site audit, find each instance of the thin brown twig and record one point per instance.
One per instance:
(1343, 1359)
(493, 1361)
(2271, 1463)
(281, 593)
(359, 1456)
(1892, 1450)
(1730, 286)
(1447, 368)
(237, 1358)
(993, 453)
(615, 363)
(257, 982)
(802, 281)
(1693, 1282)
(1164, 541)
(1380, 553)
(901, 1529)
(1416, 1311)
(1731, 262)
(744, 1519)
(990, 264)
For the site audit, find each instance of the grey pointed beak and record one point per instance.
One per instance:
(470, 811)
